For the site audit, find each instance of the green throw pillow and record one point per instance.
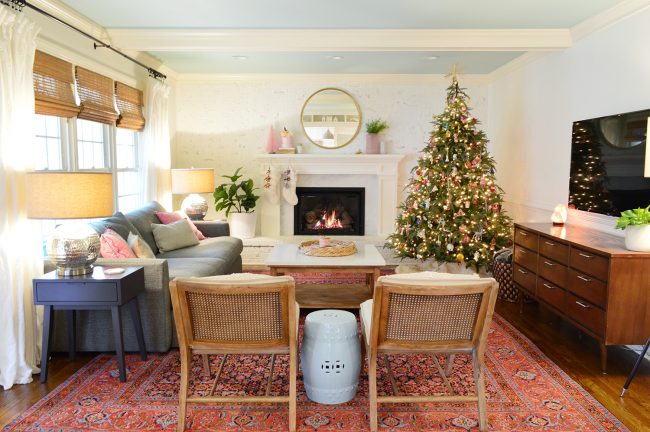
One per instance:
(174, 236)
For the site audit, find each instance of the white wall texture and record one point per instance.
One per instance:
(223, 122)
(531, 111)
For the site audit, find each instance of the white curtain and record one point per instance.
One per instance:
(156, 149)
(21, 256)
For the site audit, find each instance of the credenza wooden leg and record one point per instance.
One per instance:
(603, 357)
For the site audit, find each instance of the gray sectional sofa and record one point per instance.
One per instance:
(216, 255)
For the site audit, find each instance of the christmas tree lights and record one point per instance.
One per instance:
(452, 212)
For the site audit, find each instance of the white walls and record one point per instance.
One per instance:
(222, 122)
(531, 111)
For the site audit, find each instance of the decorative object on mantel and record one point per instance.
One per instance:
(193, 181)
(559, 215)
(336, 248)
(288, 150)
(287, 141)
(331, 118)
(452, 212)
(636, 224)
(373, 129)
(271, 142)
(238, 199)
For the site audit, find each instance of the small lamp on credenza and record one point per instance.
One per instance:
(72, 247)
(193, 181)
(559, 215)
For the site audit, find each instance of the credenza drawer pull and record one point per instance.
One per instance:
(586, 279)
(549, 286)
(581, 304)
(550, 243)
(523, 251)
(523, 233)
(585, 255)
(522, 271)
(549, 264)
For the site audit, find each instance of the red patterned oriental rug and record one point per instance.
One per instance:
(526, 392)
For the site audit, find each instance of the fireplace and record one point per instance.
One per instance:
(329, 211)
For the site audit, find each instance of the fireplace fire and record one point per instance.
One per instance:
(331, 211)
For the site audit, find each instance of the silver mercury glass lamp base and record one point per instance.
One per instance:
(73, 248)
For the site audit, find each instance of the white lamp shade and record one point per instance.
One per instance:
(192, 180)
(69, 195)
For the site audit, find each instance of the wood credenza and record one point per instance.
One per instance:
(588, 278)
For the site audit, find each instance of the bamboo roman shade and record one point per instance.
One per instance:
(53, 86)
(129, 102)
(96, 96)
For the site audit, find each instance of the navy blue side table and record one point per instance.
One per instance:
(94, 291)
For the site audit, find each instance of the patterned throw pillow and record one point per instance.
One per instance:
(171, 217)
(112, 245)
(140, 247)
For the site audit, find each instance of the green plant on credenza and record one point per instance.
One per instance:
(636, 224)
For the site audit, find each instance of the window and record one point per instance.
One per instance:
(129, 189)
(48, 139)
(91, 145)
(75, 145)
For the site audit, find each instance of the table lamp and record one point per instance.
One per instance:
(193, 181)
(72, 247)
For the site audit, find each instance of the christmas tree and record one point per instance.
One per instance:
(588, 190)
(453, 209)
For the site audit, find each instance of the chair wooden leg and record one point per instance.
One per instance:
(479, 378)
(450, 363)
(293, 372)
(206, 364)
(372, 391)
(186, 359)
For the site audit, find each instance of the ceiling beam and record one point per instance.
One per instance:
(308, 40)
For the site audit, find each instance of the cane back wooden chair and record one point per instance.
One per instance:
(236, 314)
(432, 313)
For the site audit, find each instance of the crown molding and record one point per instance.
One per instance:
(72, 17)
(473, 79)
(515, 64)
(608, 17)
(327, 40)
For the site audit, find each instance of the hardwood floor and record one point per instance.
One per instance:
(576, 354)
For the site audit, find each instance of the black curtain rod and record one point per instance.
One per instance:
(20, 4)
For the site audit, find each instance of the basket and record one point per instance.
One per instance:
(336, 248)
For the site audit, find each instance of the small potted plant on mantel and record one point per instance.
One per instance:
(636, 224)
(238, 200)
(373, 129)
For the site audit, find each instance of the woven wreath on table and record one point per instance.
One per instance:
(336, 248)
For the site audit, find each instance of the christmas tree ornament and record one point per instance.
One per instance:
(460, 257)
(450, 247)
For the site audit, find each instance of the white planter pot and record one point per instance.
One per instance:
(242, 225)
(637, 238)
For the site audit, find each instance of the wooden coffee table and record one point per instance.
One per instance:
(286, 258)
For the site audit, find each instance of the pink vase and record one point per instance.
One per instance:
(372, 143)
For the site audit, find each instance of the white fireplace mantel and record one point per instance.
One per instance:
(384, 167)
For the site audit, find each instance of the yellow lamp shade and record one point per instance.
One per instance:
(192, 180)
(69, 195)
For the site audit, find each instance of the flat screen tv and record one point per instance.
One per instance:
(608, 156)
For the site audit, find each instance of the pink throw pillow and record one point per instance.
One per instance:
(112, 245)
(171, 217)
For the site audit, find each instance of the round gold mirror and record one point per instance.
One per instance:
(331, 118)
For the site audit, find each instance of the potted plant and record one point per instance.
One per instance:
(636, 224)
(373, 129)
(238, 199)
